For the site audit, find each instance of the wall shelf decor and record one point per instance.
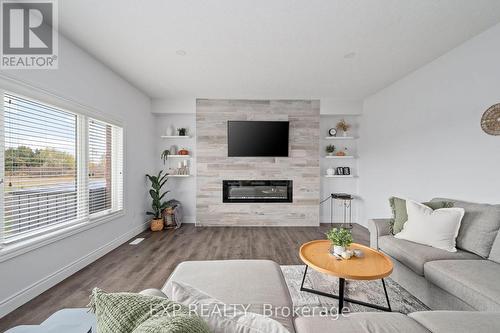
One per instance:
(339, 176)
(340, 157)
(175, 137)
(340, 138)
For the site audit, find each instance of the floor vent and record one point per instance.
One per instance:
(136, 241)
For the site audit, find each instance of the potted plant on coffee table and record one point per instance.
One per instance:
(341, 238)
(157, 205)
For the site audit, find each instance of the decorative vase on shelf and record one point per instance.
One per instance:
(330, 171)
(345, 134)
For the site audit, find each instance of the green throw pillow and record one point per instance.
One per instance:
(180, 323)
(400, 215)
(130, 312)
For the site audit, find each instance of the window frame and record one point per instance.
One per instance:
(14, 247)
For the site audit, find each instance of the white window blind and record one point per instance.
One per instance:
(105, 167)
(58, 168)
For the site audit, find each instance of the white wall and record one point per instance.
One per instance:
(421, 136)
(84, 80)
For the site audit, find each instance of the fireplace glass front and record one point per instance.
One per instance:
(257, 191)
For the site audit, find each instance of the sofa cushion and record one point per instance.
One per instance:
(221, 317)
(360, 322)
(458, 321)
(479, 226)
(400, 213)
(495, 250)
(473, 281)
(437, 228)
(250, 282)
(414, 255)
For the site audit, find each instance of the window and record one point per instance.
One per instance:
(105, 162)
(58, 169)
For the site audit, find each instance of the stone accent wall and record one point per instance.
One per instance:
(213, 164)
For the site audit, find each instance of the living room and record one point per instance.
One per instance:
(250, 166)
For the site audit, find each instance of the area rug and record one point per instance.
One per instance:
(367, 291)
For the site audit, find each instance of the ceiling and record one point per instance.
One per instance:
(342, 49)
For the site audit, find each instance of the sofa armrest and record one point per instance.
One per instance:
(153, 292)
(378, 228)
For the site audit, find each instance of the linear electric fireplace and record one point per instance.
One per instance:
(257, 191)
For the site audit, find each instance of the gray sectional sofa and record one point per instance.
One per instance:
(464, 280)
(259, 282)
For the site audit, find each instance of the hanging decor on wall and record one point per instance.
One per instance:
(490, 122)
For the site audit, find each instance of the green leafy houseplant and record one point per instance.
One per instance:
(164, 155)
(330, 149)
(339, 237)
(157, 205)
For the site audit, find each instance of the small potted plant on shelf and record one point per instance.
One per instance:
(341, 238)
(344, 126)
(164, 155)
(182, 131)
(157, 205)
(330, 149)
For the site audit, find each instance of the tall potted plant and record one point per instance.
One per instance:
(157, 182)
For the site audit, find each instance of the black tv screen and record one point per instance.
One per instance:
(257, 138)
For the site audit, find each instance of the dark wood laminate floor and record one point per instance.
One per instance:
(148, 265)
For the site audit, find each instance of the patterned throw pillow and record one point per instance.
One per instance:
(180, 323)
(130, 312)
(400, 215)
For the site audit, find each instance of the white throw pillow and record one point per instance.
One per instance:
(221, 317)
(437, 228)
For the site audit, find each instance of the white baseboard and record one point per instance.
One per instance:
(23, 296)
(189, 219)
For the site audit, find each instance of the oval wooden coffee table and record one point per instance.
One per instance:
(373, 265)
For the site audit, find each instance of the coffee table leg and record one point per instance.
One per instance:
(303, 279)
(341, 294)
(386, 296)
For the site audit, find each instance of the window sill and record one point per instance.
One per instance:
(16, 249)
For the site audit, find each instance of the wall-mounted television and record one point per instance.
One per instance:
(257, 138)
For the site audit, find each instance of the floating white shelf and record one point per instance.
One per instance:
(340, 157)
(179, 176)
(179, 156)
(175, 137)
(340, 138)
(340, 176)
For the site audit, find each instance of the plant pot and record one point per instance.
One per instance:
(156, 224)
(330, 154)
(338, 249)
(346, 133)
